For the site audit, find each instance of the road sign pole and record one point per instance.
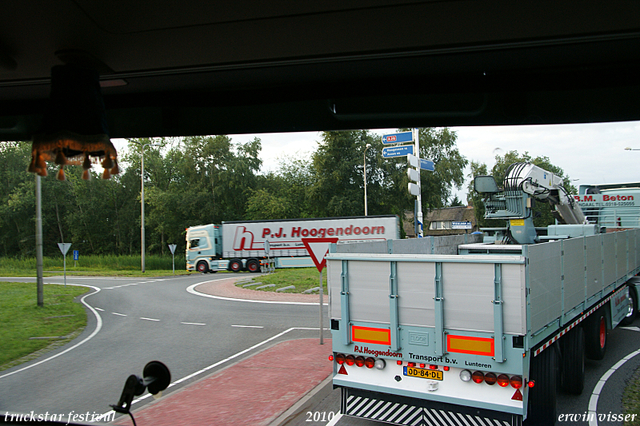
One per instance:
(65, 269)
(417, 150)
(321, 303)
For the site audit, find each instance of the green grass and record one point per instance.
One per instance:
(99, 265)
(21, 319)
(631, 399)
(302, 278)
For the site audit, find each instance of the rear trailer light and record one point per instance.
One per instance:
(350, 359)
(330, 357)
(340, 358)
(503, 380)
(380, 364)
(369, 362)
(516, 382)
(490, 378)
(465, 375)
(477, 377)
(360, 361)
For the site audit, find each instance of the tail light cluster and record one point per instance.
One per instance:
(359, 361)
(491, 379)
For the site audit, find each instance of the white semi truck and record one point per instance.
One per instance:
(448, 331)
(237, 246)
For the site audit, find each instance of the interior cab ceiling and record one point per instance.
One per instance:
(189, 67)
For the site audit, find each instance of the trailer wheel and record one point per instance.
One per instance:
(202, 266)
(235, 265)
(572, 373)
(542, 397)
(595, 334)
(253, 265)
(633, 303)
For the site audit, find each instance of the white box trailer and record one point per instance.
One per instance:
(240, 245)
(424, 335)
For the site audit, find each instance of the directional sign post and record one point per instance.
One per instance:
(318, 249)
(397, 151)
(398, 137)
(64, 248)
(76, 256)
(172, 247)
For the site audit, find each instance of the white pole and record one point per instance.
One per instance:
(142, 237)
(39, 268)
(321, 302)
(417, 154)
(365, 177)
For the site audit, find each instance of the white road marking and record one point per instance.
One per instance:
(197, 373)
(631, 328)
(193, 323)
(246, 326)
(593, 401)
(89, 337)
(99, 309)
(130, 284)
(119, 314)
(335, 419)
(149, 319)
(191, 289)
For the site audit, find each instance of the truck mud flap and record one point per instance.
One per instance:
(417, 412)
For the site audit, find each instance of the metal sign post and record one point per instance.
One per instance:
(64, 248)
(318, 249)
(172, 247)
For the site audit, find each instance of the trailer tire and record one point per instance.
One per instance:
(542, 397)
(253, 265)
(572, 373)
(595, 333)
(633, 310)
(202, 266)
(235, 265)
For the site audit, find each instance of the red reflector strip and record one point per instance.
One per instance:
(470, 345)
(378, 336)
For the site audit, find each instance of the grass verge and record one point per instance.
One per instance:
(631, 399)
(60, 320)
(302, 278)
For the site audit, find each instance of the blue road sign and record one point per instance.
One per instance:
(76, 254)
(397, 151)
(398, 137)
(427, 165)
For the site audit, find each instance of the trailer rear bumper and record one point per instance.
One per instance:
(402, 410)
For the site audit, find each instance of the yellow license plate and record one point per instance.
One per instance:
(423, 372)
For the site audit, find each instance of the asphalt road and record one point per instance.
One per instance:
(623, 341)
(134, 320)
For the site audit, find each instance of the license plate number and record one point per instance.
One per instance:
(423, 373)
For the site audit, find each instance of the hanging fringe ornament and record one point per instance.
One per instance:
(74, 128)
(61, 173)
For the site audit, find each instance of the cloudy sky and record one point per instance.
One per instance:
(590, 153)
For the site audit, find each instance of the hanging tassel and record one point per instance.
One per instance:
(106, 174)
(86, 175)
(115, 169)
(61, 160)
(107, 163)
(41, 166)
(32, 165)
(61, 173)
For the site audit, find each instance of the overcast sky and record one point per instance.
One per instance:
(591, 153)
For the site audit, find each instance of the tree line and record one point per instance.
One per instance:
(196, 180)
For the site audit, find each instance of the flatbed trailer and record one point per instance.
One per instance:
(450, 332)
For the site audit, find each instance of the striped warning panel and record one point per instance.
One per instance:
(399, 413)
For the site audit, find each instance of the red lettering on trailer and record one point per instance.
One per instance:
(617, 197)
(298, 231)
(265, 232)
